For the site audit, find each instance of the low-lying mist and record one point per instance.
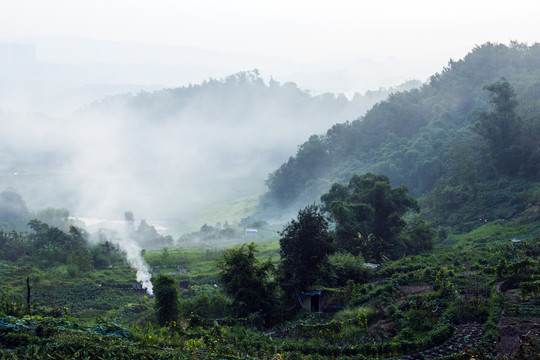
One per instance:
(169, 153)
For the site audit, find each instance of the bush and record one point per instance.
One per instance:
(167, 305)
(73, 270)
(474, 309)
(210, 305)
(15, 340)
(343, 266)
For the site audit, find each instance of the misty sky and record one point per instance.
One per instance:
(301, 29)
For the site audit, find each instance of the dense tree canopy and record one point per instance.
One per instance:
(304, 246)
(369, 214)
(501, 128)
(247, 280)
(452, 141)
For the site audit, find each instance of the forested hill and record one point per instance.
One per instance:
(419, 136)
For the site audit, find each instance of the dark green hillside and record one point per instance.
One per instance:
(426, 136)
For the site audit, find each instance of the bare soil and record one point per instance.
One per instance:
(514, 332)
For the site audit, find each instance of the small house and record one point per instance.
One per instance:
(311, 300)
(319, 300)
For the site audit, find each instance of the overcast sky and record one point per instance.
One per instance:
(301, 29)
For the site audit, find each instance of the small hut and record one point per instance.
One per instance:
(311, 300)
(323, 300)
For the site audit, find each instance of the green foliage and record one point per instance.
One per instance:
(502, 127)
(311, 161)
(166, 299)
(485, 345)
(304, 247)
(418, 319)
(419, 237)
(469, 309)
(457, 206)
(13, 245)
(247, 281)
(343, 267)
(420, 305)
(14, 306)
(369, 215)
(205, 301)
(420, 136)
(106, 254)
(83, 296)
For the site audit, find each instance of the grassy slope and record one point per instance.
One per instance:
(232, 212)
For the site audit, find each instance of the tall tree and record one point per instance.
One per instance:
(501, 128)
(247, 280)
(369, 214)
(304, 247)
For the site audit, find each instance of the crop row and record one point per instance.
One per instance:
(465, 336)
(523, 310)
(435, 337)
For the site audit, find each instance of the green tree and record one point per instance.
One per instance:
(13, 245)
(343, 266)
(369, 215)
(419, 237)
(166, 299)
(49, 243)
(80, 253)
(501, 128)
(165, 255)
(247, 280)
(304, 248)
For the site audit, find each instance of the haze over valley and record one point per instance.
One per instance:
(169, 118)
(269, 179)
(98, 145)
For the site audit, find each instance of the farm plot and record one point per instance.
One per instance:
(466, 336)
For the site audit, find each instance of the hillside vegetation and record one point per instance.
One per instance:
(470, 297)
(435, 141)
(367, 270)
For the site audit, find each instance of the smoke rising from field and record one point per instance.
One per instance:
(120, 233)
(134, 257)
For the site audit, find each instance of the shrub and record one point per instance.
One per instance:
(167, 305)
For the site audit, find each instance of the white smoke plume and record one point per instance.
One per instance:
(119, 233)
(134, 257)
